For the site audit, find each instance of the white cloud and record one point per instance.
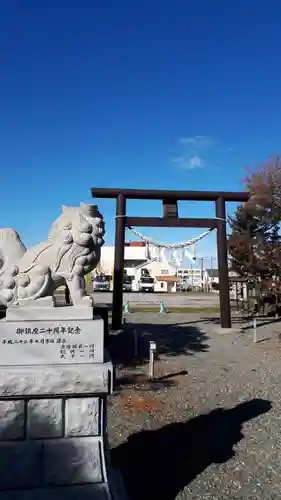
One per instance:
(188, 162)
(194, 149)
(197, 142)
(195, 161)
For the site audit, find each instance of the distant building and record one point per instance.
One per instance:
(213, 275)
(192, 276)
(167, 276)
(135, 254)
(164, 275)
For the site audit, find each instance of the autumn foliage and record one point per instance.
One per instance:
(254, 241)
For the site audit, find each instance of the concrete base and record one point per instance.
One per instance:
(53, 441)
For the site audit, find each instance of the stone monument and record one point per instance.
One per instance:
(55, 375)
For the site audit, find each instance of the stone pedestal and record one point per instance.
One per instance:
(101, 310)
(53, 414)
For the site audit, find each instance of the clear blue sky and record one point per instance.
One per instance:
(142, 94)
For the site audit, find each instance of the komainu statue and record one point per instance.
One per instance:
(71, 251)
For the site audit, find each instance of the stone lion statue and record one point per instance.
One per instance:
(71, 251)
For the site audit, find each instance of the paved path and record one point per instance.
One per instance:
(209, 426)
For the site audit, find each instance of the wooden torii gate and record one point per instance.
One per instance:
(170, 219)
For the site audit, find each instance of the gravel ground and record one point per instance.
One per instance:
(170, 299)
(208, 427)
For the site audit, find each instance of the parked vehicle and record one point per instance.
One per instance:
(146, 284)
(101, 283)
(184, 286)
(127, 283)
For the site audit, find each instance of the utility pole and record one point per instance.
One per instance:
(202, 270)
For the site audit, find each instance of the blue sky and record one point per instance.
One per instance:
(142, 94)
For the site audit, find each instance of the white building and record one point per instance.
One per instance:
(136, 261)
(135, 254)
(192, 276)
(166, 275)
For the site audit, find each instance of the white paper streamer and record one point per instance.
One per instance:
(174, 246)
(170, 253)
(190, 257)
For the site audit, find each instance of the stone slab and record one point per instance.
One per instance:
(51, 342)
(56, 380)
(101, 310)
(20, 465)
(85, 492)
(72, 461)
(83, 416)
(24, 313)
(12, 420)
(44, 418)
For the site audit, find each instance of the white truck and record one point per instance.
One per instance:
(146, 284)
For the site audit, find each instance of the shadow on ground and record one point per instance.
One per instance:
(242, 321)
(140, 382)
(171, 340)
(159, 464)
(262, 321)
(215, 320)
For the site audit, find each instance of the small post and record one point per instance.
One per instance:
(152, 350)
(127, 307)
(255, 330)
(276, 305)
(162, 307)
